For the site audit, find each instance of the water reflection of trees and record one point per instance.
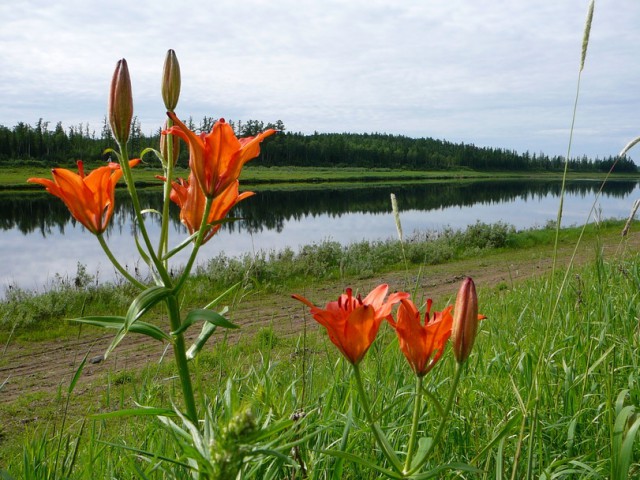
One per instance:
(40, 212)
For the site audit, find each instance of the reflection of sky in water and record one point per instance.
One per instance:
(30, 261)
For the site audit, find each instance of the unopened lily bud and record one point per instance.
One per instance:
(121, 103)
(171, 81)
(465, 320)
(175, 147)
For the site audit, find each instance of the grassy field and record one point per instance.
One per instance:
(12, 177)
(550, 391)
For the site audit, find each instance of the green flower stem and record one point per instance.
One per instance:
(164, 229)
(417, 405)
(180, 354)
(196, 246)
(443, 421)
(128, 177)
(379, 435)
(116, 264)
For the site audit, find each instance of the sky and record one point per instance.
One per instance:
(495, 73)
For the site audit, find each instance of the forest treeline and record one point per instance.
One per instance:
(43, 144)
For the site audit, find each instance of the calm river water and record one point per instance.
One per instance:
(39, 239)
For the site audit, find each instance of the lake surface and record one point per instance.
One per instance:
(39, 240)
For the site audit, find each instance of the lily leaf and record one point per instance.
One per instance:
(141, 251)
(143, 328)
(150, 210)
(208, 316)
(145, 301)
(185, 243)
(207, 330)
(140, 305)
(151, 150)
(424, 444)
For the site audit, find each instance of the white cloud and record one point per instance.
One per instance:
(493, 73)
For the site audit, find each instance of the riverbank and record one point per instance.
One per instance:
(35, 314)
(14, 178)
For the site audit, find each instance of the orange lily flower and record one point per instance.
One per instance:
(189, 197)
(422, 344)
(90, 198)
(217, 158)
(351, 322)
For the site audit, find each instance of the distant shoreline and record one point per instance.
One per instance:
(14, 178)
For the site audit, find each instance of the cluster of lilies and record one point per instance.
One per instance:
(352, 324)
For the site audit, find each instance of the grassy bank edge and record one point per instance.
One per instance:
(24, 313)
(14, 178)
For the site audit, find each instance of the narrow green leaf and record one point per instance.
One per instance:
(424, 443)
(140, 305)
(511, 423)
(134, 412)
(76, 376)
(149, 330)
(500, 459)
(114, 322)
(146, 454)
(145, 301)
(150, 150)
(76, 448)
(150, 210)
(622, 442)
(101, 321)
(110, 151)
(273, 453)
(338, 467)
(620, 399)
(626, 454)
(206, 315)
(276, 428)
(207, 330)
(388, 449)
(436, 472)
(356, 459)
(600, 360)
(185, 243)
(141, 251)
(215, 301)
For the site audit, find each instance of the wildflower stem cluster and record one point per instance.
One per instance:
(217, 157)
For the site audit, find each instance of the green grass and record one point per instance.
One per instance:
(588, 376)
(585, 388)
